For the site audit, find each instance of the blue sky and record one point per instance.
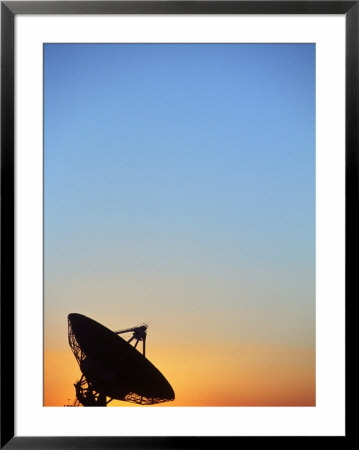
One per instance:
(191, 140)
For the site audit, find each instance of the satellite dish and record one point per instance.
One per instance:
(112, 367)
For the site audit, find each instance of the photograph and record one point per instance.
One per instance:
(179, 224)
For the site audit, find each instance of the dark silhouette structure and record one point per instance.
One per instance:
(111, 367)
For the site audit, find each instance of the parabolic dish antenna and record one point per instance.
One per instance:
(111, 367)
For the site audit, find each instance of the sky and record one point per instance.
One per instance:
(179, 190)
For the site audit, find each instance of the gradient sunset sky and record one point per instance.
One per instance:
(179, 190)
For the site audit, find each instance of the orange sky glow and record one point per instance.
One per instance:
(240, 375)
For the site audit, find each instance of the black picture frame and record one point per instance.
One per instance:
(9, 9)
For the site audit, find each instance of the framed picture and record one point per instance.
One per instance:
(179, 191)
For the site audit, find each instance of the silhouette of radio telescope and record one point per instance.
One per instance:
(111, 367)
